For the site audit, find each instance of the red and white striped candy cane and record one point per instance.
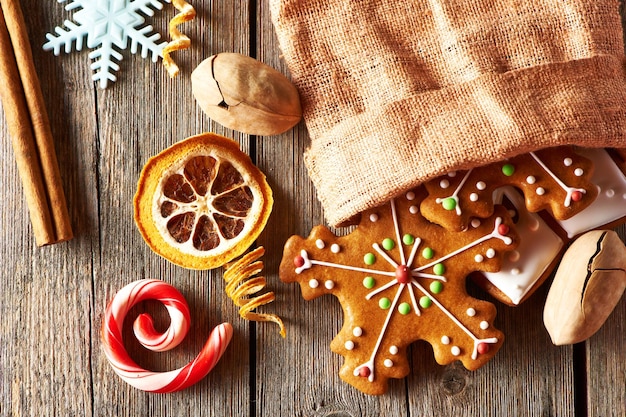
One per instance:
(129, 370)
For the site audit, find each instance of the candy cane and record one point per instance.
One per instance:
(122, 363)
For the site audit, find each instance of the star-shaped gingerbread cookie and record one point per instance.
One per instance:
(557, 180)
(401, 278)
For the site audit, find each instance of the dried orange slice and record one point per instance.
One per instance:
(201, 202)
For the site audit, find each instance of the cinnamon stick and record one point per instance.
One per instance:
(30, 131)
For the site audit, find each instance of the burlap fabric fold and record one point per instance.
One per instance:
(396, 92)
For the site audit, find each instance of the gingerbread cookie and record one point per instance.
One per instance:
(609, 207)
(557, 180)
(524, 269)
(400, 278)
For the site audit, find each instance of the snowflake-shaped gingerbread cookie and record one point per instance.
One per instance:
(557, 180)
(400, 278)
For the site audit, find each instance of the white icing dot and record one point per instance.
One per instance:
(475, 223)
(470, 312)
(515, 271)
(491, 253)
(452, 174)
(388, 363)
(314, 283)
(479, 258)
(335, 248)
(373, 217)
(540, 191)
(481, 185)
(320, 244)
(445, 340)
(473, 197)
(456, 351)
(530, 179)
(357, 332)
(329, 285)
(410, 195)
(444, 184)
(393, 350)
(349, 345)
(514, 256)
(413, 209)
(484, 325)
(567, 162)
(610, 193)
(624, 196)
(579, 172)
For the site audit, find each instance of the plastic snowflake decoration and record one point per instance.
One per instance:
(400, 278)
(108, 26)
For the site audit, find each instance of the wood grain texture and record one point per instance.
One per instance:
(52, 299)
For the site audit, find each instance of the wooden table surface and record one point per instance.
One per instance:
(52, 299)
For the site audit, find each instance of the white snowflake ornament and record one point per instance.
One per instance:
(108, 25)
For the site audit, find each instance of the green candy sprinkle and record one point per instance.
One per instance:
(404, 308)
(369, 282)
(428, 253)
(408, 239)
(384, 303)
(508, 169)
(425, 302)
(439, 269)
(436, 287)
(449, 203)
(369, 258)
(388, 244)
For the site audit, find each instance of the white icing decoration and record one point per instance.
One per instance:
(335, 248)
(455, 194)
(357, 332)
(484, 325)
(538, 247)
(373, 217)
(531, 180)
(473, 197)
(470, 312)
(478, 258)
(320, 244)
(414, 209)
(610, 193)
(604, 209)
(445, 340)
(568, 190)
(456, 351)
(579, 172)
(444, 184)
(480, 185)
(475, 223)
(410, 196)
(567, 162)
(452, 174)
(349, 345)
(388, 363)
(393, 350)
(329, 285)
(540, 191)
(314, 283)
(491, 253)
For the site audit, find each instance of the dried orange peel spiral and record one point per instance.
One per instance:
(242, 282)
(179, 40)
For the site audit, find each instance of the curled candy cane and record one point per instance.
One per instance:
(129, 370)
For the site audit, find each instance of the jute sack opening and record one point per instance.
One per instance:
(396, 92)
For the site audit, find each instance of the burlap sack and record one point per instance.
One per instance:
(396, 92)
